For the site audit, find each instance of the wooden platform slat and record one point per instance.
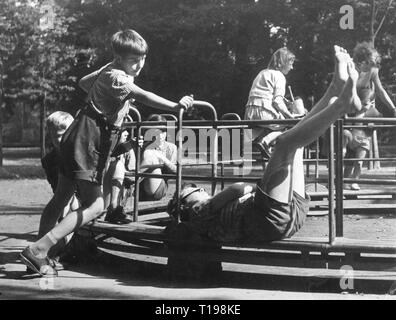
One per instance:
(139, 230)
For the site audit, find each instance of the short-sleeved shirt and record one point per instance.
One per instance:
(266, 86)
(258, 217)
(110, 90)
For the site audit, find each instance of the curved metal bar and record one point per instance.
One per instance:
(214, 153)
(226, 116)
(137, 113)
(199, 103)
(137, 164)
(230, 116)
(179, 141)
(129, 119)
(169, 115)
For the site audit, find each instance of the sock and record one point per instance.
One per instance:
(41, 247)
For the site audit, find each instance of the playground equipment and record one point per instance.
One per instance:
(304, 256)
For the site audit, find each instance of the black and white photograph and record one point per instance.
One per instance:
(197, 155)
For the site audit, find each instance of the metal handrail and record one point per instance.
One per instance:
(335, 179)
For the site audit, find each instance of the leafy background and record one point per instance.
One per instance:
(210, 48)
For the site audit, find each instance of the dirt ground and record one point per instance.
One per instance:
(21, 204)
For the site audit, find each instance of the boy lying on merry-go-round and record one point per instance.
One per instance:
(277, 206)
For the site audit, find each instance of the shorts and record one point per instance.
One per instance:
(158, 194)
(273, 220)
(86, 147)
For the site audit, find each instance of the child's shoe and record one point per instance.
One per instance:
(264, 148)
(347, 186)
(355, 186)
(117, 216)
(41, 266)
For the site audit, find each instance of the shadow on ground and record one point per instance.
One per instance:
(30, 236)
(119, 273)
(23, 210)
(138, 273)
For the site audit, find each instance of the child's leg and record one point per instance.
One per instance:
(92, 206)
(57, 205)
(284, 171)
(151, 185)
(347, 141)
(360, 154)
(349, 165)
(341, 58)
(116, 183)
(271, 137)
(107, 183)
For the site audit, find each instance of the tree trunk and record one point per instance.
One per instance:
(372, 22)
(1, 113)
(374, 33)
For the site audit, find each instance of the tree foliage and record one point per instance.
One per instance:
(210, 48)
(36, 62)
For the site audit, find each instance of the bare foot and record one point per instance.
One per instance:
(340, 69)
(349, 95)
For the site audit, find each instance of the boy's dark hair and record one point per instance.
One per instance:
(128, 42)
(172, 204)
(157, 117)
(153, 117)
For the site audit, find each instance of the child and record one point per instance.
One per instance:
(57, 123)
(277, 206)
(159, 152)
(267, 99)
(114, 182)
(87, 144)
(369, 85)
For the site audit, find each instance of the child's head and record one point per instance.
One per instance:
(366, 56)
(124, 136)
(57, 124)
(129, 50)
(158, 134)
(192, 198)
(282, 60)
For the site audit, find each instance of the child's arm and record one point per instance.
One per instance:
(152, 100)
(233, 192)
(279, 94)
(280, 106)
(382, 94)
(170, 165)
